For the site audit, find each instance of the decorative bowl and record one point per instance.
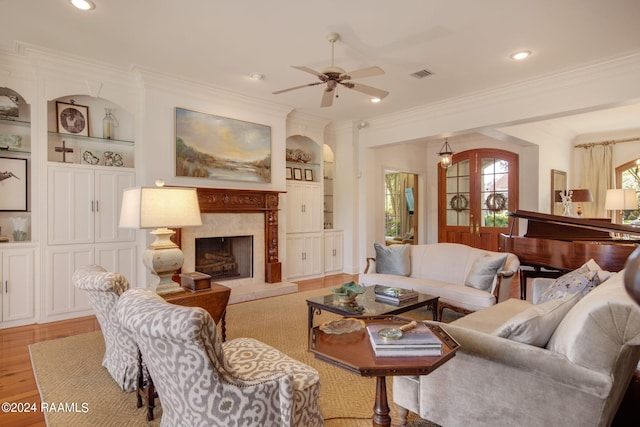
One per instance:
(342, 326)
(348, 292)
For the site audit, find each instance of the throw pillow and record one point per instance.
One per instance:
(484, 270)
(394, 259)
(535, 325)
(579, 281)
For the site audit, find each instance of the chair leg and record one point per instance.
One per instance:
(146, 392)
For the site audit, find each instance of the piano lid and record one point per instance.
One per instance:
(565, 243)
(558, 227)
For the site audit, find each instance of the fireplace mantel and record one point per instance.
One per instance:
(216, 200)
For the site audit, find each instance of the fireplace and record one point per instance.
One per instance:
(225, 258)
(235, 212)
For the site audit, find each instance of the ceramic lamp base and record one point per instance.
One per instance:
(164, 258)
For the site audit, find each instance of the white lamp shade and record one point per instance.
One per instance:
(154, 207)
(621, 199)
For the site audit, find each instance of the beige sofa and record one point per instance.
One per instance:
(577, 379)
(446, 270)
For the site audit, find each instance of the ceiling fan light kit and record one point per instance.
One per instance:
(333, 76)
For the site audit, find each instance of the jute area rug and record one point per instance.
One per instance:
(69, 370)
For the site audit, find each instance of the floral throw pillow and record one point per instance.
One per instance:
(577, 281)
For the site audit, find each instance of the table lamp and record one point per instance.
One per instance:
(621, 199)
(160, 208)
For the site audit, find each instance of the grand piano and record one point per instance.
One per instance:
(553, 245)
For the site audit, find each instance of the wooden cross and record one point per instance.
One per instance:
(64, 150)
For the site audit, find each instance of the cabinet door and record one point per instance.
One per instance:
(61, 296)
(294, 204)
(333, 242)
(304, 208)
(109, 187)
(17, 284)
(313, 254)
(295, 256)
(70, 205)
(119, 259)
(313, 210)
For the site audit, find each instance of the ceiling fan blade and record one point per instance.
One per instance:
(307, 70)
(327, 98)
(378, 93)
(296, 87)
(365, 72)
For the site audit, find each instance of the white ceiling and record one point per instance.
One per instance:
(465, 43)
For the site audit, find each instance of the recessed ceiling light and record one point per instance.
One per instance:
(256, 76)
(375, 100)
(83, 4)
(521, 55)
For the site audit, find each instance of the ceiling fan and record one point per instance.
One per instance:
(334, 76)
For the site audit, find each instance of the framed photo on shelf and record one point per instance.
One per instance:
(9, 106)
(308, 175)
(13, 191)
(72, 118)
(297, 174)
(289, 174)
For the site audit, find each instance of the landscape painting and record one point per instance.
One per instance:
(214, 147)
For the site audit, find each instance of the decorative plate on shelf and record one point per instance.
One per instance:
(342, 326)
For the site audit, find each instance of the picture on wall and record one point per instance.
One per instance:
(9, 106)
(13, 184)
(214, 147)
(72, 118)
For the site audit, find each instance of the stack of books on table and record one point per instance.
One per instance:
(393, 295)
(419, 341)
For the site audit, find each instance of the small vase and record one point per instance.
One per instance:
(109, 123)
(19, 225)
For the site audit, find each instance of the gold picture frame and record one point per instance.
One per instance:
(558, 183)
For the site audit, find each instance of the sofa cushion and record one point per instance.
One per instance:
(489, 319)
(581, 281)
(536, 324)
(484, 270)
(594, 332)
(393, 259)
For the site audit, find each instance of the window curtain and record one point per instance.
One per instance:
(403, 212)
(597, 176)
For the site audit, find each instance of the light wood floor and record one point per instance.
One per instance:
(17, 383)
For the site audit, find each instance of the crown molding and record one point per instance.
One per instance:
(511, 102)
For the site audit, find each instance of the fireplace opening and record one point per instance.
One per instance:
(225, 258)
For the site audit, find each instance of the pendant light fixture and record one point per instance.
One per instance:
(446, 154)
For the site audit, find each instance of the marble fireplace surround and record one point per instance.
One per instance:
(227, 212)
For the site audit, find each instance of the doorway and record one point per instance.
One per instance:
(400, 207)
(474, 196)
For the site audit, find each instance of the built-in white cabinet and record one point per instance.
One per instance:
(63, 299)
(304, 208)
(84, 204)
(333, 251)
(304, 255)
(17, 273)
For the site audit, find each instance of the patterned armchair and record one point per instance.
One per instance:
(203, 382)
(104, 288)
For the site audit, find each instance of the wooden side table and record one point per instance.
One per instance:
(213, 300)
(354, 353)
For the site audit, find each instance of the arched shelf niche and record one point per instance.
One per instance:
(94, 140)
(303, 159)
(15, 159)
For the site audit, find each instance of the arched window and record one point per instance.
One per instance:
(628, 176)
